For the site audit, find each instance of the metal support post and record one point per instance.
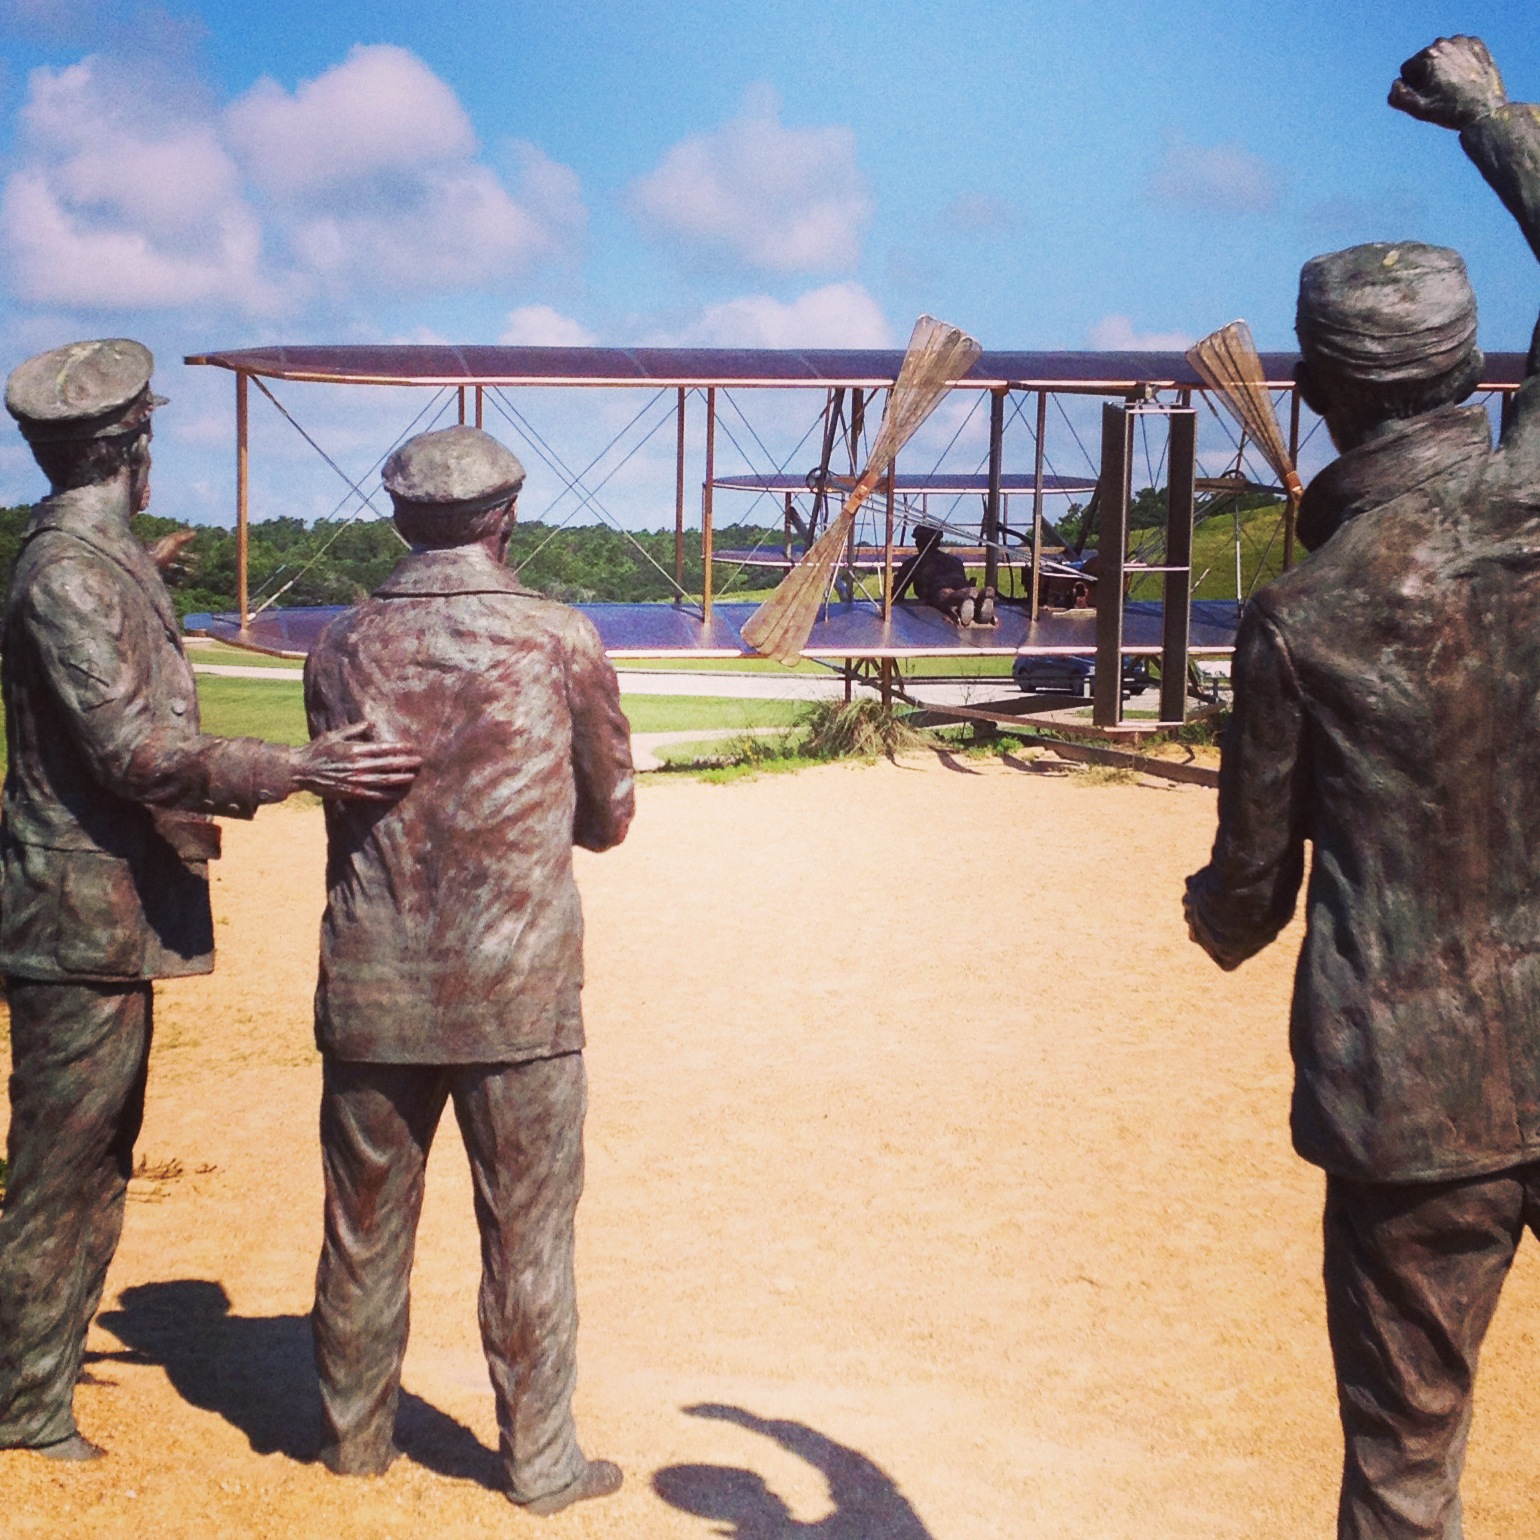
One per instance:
(833, 408)
(706, 502)
(1037, 497)
(242, 505)
(1111, 554)
(887, 546)
(991, 529)
(845, 583)
(679, 506)
(480, 392)
(887, 682)
(1181, 503)
(1291, 507)
(786, 530)
(461, 394)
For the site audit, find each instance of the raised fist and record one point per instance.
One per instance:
(1454, 83)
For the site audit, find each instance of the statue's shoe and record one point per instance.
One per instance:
(373, 1461)
(74, 1449)
(965, 612)
(600, 1478)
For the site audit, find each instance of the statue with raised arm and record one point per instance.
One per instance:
(452, 961)
(105, 839)
(1385, 713)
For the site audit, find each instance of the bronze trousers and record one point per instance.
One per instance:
(1412, 1274)
(79, 1054)
(523, 1129)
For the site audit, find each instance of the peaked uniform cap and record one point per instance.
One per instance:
(84, 390)
(1387, 313)
(454, 468)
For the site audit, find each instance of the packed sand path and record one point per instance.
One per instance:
(925, 1154)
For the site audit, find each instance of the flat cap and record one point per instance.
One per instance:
(85, 390)
(460, 468)
(1387, 313)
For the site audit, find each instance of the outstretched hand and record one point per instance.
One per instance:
(166, 552)
(347, 764)
(1453, 83)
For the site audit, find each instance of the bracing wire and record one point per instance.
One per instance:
(536, 441)
(1073, 432)
(572, 481)
(816, 422)
(353, 486)
(441, 397)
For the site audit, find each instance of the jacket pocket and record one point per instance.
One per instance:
(100, 918)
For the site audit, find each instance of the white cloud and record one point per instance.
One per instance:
(371, 170)
(542, 326)
(117, 203)
(552, 192)
(841, 315)
(783, 199)
(1215, 179)
(1117, 334)
(380, 113)
(365, 179)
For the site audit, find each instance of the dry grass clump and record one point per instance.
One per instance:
(1104, 775)
(858, 729)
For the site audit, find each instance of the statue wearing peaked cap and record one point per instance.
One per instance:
(105, 839)
(1385, 713)
(452, 960)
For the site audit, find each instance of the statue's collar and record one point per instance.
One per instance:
(1377, 472)
(100, 512)
(466, 569)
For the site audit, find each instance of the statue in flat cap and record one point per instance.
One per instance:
(1385, 713)
(105, 841)
(451, 960)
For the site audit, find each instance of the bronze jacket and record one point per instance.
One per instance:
(453, 931)
(100, 878)
(1387, 710)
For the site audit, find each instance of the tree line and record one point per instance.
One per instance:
(341, 562)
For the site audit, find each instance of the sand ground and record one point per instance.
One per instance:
(928, 1162)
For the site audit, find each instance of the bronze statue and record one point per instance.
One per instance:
(104, 850)
(940, 580)
(451, 960)
(1385, 711)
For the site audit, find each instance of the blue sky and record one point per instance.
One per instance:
(1061, 174)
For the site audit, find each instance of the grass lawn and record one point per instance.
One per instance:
(204, 650)
(254, 708)
(677, 713)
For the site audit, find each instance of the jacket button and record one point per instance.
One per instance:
(179, 707)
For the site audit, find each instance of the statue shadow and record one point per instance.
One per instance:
(258, 1373)
(867, 1502)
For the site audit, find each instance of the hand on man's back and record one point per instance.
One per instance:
(348, 764)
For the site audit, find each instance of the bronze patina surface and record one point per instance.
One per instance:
(451, 960)
(1385, 695)
(104, 850)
